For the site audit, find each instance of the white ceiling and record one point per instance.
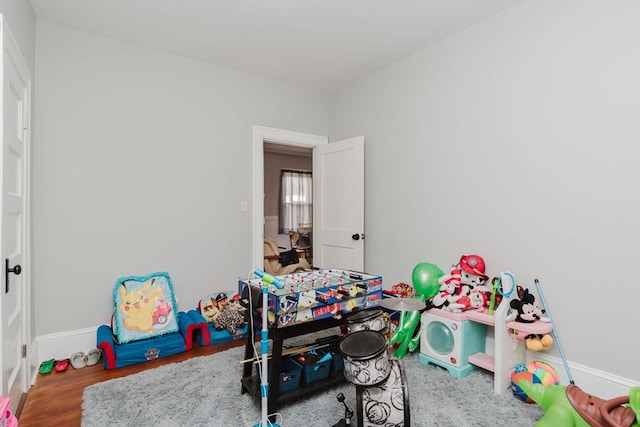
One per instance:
(320, 44)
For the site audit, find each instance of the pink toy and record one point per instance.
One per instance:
(6, 416)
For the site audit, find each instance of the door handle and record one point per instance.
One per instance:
(357, 236)
(15, 270)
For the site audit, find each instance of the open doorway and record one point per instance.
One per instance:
(288, 197)
(289, 147)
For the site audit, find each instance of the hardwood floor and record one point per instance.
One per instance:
(56, 398)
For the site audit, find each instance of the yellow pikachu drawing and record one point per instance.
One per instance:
(138, 306)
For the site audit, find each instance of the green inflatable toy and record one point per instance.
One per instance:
(425, 281)
(569, 406)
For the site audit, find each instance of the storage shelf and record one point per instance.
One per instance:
(483, 360)
(252, 386)
(521, 330)
(518, 330)
(480, 317)
(509, 336)
(250, 382)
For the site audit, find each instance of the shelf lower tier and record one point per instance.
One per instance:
(483, 361)
(252, 386)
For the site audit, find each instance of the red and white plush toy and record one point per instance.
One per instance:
(476, 300)
(448, 291)
(464, 287)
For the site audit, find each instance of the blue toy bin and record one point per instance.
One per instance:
(317, 371)
(337, 361)
(290, 375)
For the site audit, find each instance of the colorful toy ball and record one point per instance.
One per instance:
(521, 367)
(534, 372)
(517, 391)
(544, 372)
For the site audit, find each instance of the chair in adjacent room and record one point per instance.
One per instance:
(301, 240)
(279, 263)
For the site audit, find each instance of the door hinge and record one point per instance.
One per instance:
(25, 122)
(24, 351)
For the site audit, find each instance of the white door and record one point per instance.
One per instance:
(338, 205)
(15, 292)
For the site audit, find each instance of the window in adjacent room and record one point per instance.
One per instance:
(296, 199)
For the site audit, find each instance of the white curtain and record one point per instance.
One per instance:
(296, 200)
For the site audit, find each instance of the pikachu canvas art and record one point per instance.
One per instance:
(144, 307)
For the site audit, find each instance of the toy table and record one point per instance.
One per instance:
(336, 292)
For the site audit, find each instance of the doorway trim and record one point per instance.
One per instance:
(276, 136)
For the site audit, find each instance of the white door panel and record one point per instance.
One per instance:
(15, 108)
(338, 216)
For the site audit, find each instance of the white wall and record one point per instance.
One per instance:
(518, 140)
(140, 162)
(22, 22)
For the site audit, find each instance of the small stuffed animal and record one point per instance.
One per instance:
(209, 309)
(464, 287)
(473, 276)
(447, 293)
(525, 309)
(476, 300)
(538, 342)
(230, 317)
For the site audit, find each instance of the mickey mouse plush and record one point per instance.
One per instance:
(526, 310)
(538, 342)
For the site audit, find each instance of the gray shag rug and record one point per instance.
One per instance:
(205, 391)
